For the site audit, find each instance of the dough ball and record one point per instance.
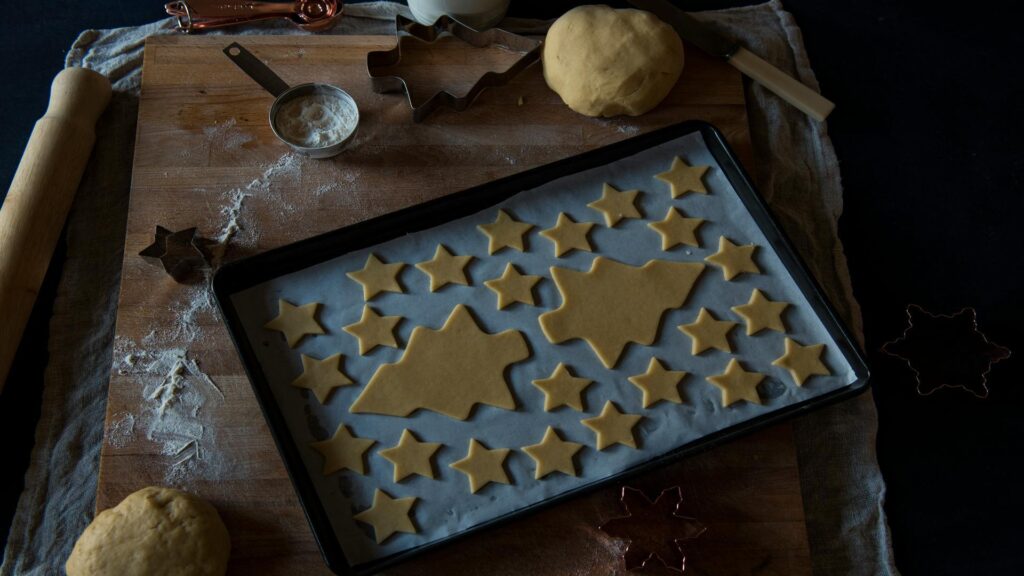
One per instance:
(153, 532)
(606, 62)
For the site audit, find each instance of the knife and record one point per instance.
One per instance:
(785, 86)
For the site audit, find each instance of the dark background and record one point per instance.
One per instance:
(930, 105)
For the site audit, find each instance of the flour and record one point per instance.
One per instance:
(316, 120)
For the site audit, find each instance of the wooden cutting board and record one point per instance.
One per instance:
(205, 156)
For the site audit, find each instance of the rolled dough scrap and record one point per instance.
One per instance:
(153, 532)
(737, 384)
(445, 269)
(568, 234)
(295, 321)
(613, 427)
(605, 62)
(448, 371)
(675, 229)
(410, 456)
(706, 332)
(552, 454)
(802, 361)
(377, 277)
(615, 205)
(374, 330)
(614, 304)
(682, 178)
(733, 259)
(321, 376)
(513, 287)
(343, 450)
(505, 232)
(658, 384)
(563, 389)
(483, 466)
(388, 515)
(761, 313)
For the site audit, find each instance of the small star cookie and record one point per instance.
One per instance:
(683, 178)
(568, 234)
(802, 361)
(445, 269)
(616, 205)
(675, 229)
(505, 232)
(295, 321)
(613, 427)
(410, 456)
(374, 330)
(321, 376)
(761, 313)
(552, 454)
(512, 287)
(343, 450)
(388, 515)
(733, 259)
(562, 389)
(737, 384)
(706, 332)
(658, 384)
(483, 466)
(377, 277)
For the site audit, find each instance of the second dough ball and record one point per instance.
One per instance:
(606, 62)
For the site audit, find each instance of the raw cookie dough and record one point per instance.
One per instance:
(568, 234)
(614, 304)
(343, 450)
(606, 62)
(448, 371)
(410, 456)
(153, 532)
(563, 389)
(658, 384)
(374, 330)
(295, 321)
(513, 286)
(682, 178)
(737, 384)
(377, 277)
(706, 332)
(676, 229)
(615, 205)
(802, 361)
(613, 427)
(483, 466)
(733, 259)
(761, 313)
(445, 269)
(552, 454)
(321, 376)
(388, 515)
(505, 232)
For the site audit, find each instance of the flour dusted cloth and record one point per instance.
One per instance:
(798, 175)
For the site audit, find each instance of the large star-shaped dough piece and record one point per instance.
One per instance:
(733, 259)
(683, 178)
(513, 286)
(483, 466)
(658, 384)
(295, 321)
(614, 304)
(374, 330)
(761, 313)
(505, 232)
(706, 332)
(388, 515)
(802, 361)
(616, 205)
(321, 376)
(448, 371)
(410, 456)
(613, 427)
(737, 384)
(562, 389)
(343, 450)
(676, 229)
(377, 277)
(568, 234)
(445, 269)
(552, 454)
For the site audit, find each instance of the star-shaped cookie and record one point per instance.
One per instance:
(734, 260)
(683, 178)
(377, 277)
(802, 361)
(513, 286)
(388, 515)
(658, 384)
(321, 376)
(562, 389)
(737, 384)
(761, 313)
(676, 229)
(483, 466)
(343, 450)
(374, 330)
(568, 234)
(613, 427)
(295, 321)
(552, 454)
(410, 456)
(615, 205)
(505, 232)
(706, 332)
(445, 269)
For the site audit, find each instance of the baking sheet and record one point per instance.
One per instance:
(445, 506)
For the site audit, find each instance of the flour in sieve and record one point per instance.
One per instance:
(316, 120)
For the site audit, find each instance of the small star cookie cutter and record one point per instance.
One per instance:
(405, 29)
(655, 531)
(181, 254)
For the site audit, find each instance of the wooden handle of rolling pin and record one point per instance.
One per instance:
(40, 196)
(788, 88)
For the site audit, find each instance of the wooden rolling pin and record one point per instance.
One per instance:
(40, 196)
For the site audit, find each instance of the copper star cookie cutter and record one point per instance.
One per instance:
(405, 29)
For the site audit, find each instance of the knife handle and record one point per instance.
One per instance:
(788, 88)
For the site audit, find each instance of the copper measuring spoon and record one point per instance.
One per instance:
(202, 14)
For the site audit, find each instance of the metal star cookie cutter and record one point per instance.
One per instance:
(654, 530)
(405, 29)
(181, 254)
